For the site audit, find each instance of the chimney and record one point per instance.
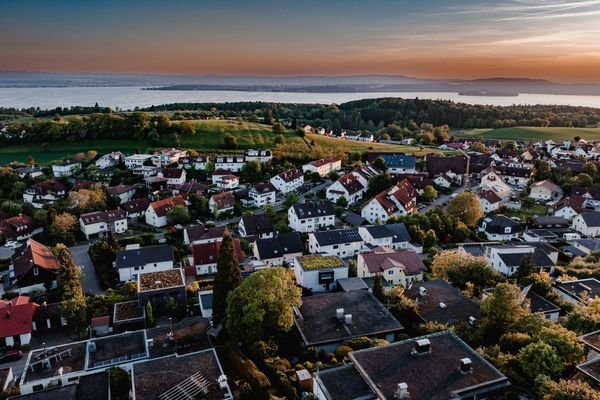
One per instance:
(472, 320)
(465, 365)
(8, 315)
(348, 319)
(402, 391)
(339, 313)
(422, 291)
(443, 305)
(422, 346)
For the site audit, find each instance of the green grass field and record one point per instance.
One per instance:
(531, 133)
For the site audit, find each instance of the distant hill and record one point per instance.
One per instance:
(496, 86)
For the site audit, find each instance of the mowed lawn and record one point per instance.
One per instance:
(57, 151)
(531, 133)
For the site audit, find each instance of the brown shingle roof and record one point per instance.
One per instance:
(162, 207)
(382, 259)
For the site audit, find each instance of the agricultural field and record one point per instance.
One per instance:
(531, 133)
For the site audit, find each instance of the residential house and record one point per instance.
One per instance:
(47, 192)
(230, 163)
(440, 302)
(578, 290)
(537, 304)
(587, 223)
(20, 227)
(319, 273)
(17, 321)
(288, 181)
(325, 321)
(109, 160)
(499, 227)
(33, 267)
(256, 226)
(157, 212)
(123, 192)
(395, 236)
(146, 171)
(397, 267)
(199, 163)
(225, 180)
(339, 242)
(192, 188)
(324, 166)
(283, 248)
(204, 256)
(438, 366)
(262, 194)
(175, 176)
(545, 191)
(438, 165)
(32, 171)
(352, 185)
(586, 246)
(517, 176)
(261, 155)
(136, 208)
(311, 216)
(66, 168)
(98, 222)
(396, 163)
(137, 160)
(221, 203)
(489, 201)
(507, 259)
(135, 260)
(195, 234)
(400, 200)
(569, 207)
(547, 222)
(490, 180)
(167, 157)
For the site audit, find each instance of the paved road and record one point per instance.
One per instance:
(91, 284)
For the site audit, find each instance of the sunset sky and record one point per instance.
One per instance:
(558, 40)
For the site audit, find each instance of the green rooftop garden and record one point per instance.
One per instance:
(319, 262)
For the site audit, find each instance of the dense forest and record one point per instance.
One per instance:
(394, 117)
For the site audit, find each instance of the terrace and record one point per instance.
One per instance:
(117, 349)
(129, 310)
(160, 280)
(55, 361)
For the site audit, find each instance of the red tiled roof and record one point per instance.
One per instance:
(162, 207)
(351, 183)
(382, 259)
(207, 253)
(49, 186)
(172, 173)
(490, 196)
(290, 175)
(16, 316)
(323, 161)
(223, 200)
(100, 321)
(103, 216)
(19, 225)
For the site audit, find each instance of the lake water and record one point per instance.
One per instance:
(130, 97)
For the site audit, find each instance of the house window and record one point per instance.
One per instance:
(507, 230)
(36, 271)
(136, 268)
(390, 272)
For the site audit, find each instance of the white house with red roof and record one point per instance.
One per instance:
(204, 256)
(352, 185)
(400, 200)
(545, 191)
(33, 267)
(156, 214)
(99, 222)
(398, 267)
(20, 227)
(324, 166)
(46, 192)
(225, 179)
(123, 192)
(288, 181)
(17, 317)
(222, 203)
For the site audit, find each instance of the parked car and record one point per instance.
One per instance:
(13, 244)
(11, 355)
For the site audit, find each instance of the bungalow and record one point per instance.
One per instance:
(545, 191)
(489, 201)
(135, 260)
(400, 200)
(256, 226)
(195, 234)
(33, 267)
(20, 227)
(311, 216)
(587, 223)
(157, 212)
(123, 192)
(288, 181)
(399, 268)
(225, 180)
(230, 163)
(137, 160)
(46, 192)
(262, 194)
(324, 166)
(99, 222)
(136, 208)
(109, 160)
(340, 242)
(261, 155)
(394, 236)
(325, 321)
(283, 248)
(499, 227)
(222, 203)
(319, 273)
(66, 168)
(205, 255)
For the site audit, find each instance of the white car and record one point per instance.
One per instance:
(12, 244)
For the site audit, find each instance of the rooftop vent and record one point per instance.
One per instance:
(443, 305)
(401, 391)
(465, 365)
(422, 291)
(348, 319)
(472, 320)
(422, 346)
(339, 313)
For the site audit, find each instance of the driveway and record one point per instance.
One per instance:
(91, 284)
